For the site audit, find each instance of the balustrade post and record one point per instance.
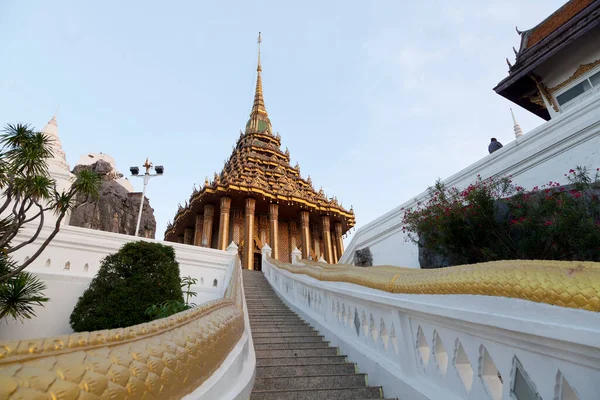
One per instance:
(266, 252)
(296, 255)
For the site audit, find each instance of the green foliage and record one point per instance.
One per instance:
(129, 282)
(20, 293)
(166, 309)
(27, 194)
(171, 307)
(187, 283)
(493, 219)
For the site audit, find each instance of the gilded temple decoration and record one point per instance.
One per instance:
(582, 69)
(573, 284)
(163, 359)
(258, 168)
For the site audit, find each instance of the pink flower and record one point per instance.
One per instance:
(571, 171)
(548, 223)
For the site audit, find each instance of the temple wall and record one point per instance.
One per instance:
(73, 258)
(262, 232)
(284, 242)
(542, 155)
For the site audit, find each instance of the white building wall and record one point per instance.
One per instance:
(73, 258)
(563, 65)
(540, 156)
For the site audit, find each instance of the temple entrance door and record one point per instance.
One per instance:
(257, 261)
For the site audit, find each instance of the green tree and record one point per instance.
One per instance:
(20, 294)
(138, 276)
(27, 194)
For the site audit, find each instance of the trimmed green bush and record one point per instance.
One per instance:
(140, 275)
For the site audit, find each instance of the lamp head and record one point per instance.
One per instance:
(159, 169)
(134, 170)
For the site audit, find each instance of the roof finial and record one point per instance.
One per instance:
(259, 112)
(518, 31)
(259, 69)
(517, 127)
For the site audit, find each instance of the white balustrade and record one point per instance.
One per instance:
(452, 346)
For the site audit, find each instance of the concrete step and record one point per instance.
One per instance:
(304, 370)
(273, 325)
(297, 352)
(274, 322)
(281, 332)
(311, 382)
(276, 339)
(270, 314)
(319, 394)
(311, 360)
(300, 330)
(291, 346)
(293, 361)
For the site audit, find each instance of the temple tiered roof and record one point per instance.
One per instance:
(257, 167)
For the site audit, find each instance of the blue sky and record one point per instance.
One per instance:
(375, 100)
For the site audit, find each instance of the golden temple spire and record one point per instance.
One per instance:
(259, 112)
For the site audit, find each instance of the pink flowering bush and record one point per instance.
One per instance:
(493, 219)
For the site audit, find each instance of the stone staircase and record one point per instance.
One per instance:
(293, 362)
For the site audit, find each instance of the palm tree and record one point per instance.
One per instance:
(27, 193)
(20, 294)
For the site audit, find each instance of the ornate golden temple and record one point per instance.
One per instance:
(259, 199)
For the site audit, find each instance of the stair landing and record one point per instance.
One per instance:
(293, 361)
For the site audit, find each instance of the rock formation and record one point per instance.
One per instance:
(116, 210)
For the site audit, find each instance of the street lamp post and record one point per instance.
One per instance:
(159, 169)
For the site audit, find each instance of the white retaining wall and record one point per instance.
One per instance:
(73, 258)
(542, 155)
(234, 379)
(450, 346)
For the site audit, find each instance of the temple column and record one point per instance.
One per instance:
(274, 230)
(292, 236)
(337, 228)
(314, 235)
(198, 230)
(224, 222)
(334, 247)
(248, 260)
(328, 250)
(304, 230)
(188, 235)
(209, 212)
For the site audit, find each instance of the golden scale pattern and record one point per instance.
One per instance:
(162, 359)
(572, 284)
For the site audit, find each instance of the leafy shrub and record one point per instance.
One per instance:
(140, 275)
(493, 219)
(170, 307)
(166, 309)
